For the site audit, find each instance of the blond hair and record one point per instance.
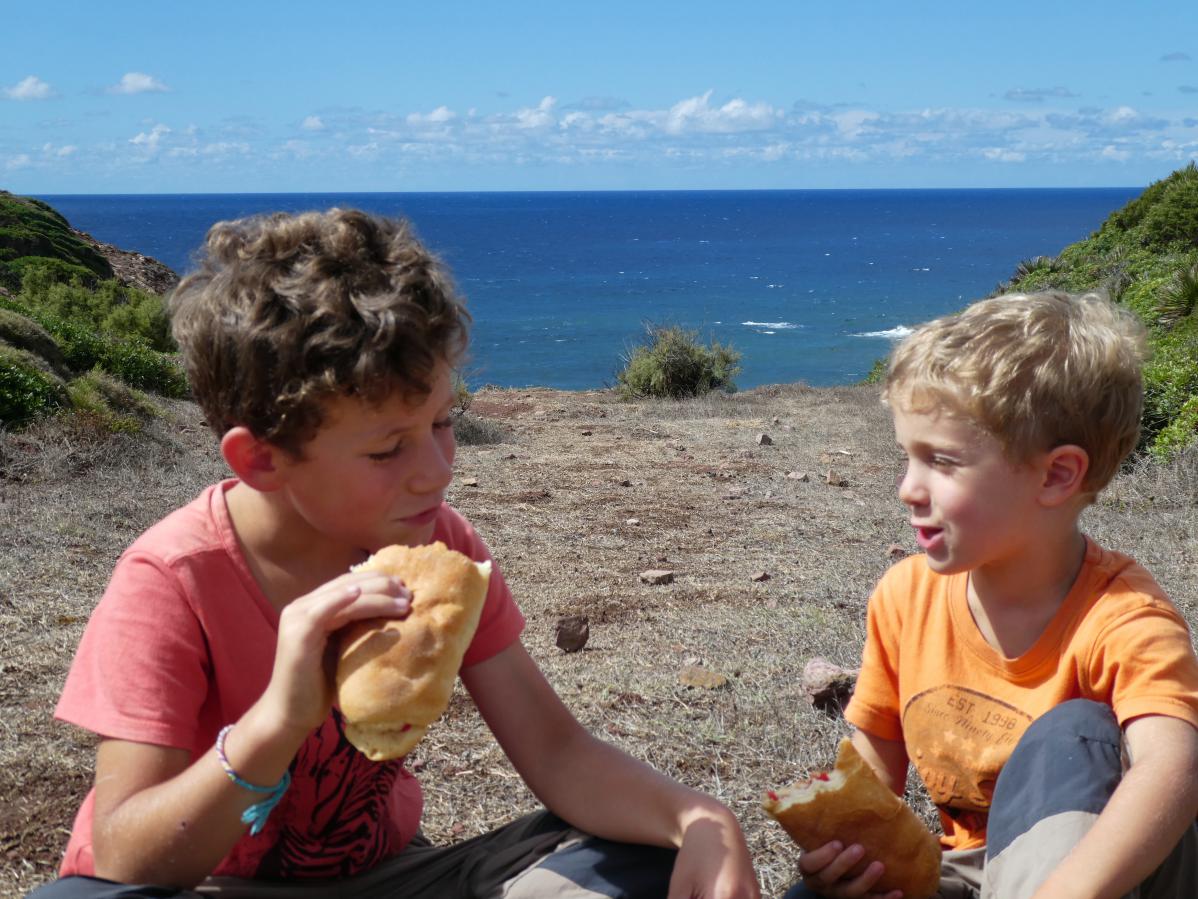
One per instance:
(287, 311)
(1034, 370)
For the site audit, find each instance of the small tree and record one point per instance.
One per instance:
(673, 364)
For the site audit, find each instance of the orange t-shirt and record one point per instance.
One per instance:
(930, 679)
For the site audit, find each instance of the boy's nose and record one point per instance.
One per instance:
(434, 469)
(910, 490)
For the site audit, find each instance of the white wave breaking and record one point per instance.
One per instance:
(895, 333)
(777, 326)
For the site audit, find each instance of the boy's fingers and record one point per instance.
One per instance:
(842, 864)
(818, 859)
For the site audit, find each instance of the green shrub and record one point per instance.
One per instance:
(1179, 434)
(1179, 298)
(27, 390)
(475, 430)
(1174, 218)
(877, 374)
(24, 333)
(111, 405)
(109, 306)
(32, 234)
(127, 358)
(673, 364)
(1170, 378)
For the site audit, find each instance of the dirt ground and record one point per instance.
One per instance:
(774, 543)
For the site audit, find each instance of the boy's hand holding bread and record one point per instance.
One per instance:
(850, 805)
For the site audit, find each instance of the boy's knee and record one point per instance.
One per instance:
(1077, 719)
(1068, 761)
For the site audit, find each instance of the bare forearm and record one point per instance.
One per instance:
(177, 832)
(606, 792)
(1141, 824)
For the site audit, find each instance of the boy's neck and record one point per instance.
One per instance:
(1013, 603)
(286, 561)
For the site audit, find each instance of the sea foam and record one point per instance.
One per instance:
(895, 333)
(777, 326)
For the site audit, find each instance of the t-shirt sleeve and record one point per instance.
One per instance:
(140, 672)
(874, 707)
(1144, 661)
(501, 623)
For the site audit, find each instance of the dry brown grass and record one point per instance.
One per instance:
(712, 505)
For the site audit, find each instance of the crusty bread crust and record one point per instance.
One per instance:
(854, 806)
(395, 676)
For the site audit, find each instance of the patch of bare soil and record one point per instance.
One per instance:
(583, 494)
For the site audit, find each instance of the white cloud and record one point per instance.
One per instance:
(152, 139)
(29, 88)
(312, 123)
(21, 161)
(138, 83)
(1003, 154)
(61, 152)
(696, 114)
(439, 116)
(1113, 152)
(539, 117)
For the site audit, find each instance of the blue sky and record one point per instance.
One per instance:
(162, 97)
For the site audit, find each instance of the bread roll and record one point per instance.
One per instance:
(395, 676)
(851, 804)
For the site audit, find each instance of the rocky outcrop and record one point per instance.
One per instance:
(131, 268)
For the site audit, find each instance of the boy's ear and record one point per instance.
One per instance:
(1064, 468)
(254, 461)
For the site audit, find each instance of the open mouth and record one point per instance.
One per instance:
(927, 537)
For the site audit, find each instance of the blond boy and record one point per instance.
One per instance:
(321, 349)
(1014, 660)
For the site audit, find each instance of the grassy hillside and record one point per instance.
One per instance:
(1145, 256)
(73, 338)
(32, 234)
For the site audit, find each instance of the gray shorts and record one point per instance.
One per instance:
(535, 856)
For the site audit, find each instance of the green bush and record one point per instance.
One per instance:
(27, 390)
(673, 364)
(127, 358)
(111, 405)
(109, 306)
(1170, 378)
(31, 228)
(24, 333)
(1180, 433)
(1174, 218)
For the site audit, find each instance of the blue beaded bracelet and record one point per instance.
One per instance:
(256, 814)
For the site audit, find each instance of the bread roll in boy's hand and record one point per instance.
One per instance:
(395, 676)
(852, 805)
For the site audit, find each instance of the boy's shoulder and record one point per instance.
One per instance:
(1117, 586)
(200, 526)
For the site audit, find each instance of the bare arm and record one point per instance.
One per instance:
(619, 798)
(887, 757)
(1144, 819)
(161, 817)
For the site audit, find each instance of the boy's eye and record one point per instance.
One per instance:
(386, 454)
(442, 424)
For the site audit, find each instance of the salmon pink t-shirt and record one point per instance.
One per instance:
(930, 679)
(183, 643)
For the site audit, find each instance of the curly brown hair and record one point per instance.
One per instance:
(287, 311)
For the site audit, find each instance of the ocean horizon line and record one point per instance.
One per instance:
(581, 191)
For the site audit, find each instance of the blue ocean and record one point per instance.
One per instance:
(808, 285)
